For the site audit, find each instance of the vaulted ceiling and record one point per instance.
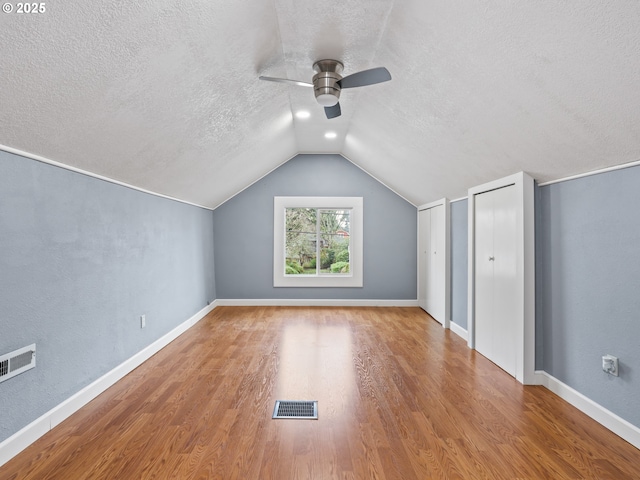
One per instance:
(164, 95)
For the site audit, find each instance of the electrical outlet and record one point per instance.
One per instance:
(143, 321)
(610, 365)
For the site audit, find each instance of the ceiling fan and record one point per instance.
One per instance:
(327, 83)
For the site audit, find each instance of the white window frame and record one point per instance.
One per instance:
(354, 277)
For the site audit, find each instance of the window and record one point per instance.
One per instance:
(315, 233)
(317, 242)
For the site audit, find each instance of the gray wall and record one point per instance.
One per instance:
(459, 264)
(588, 279)
(243, 235)
(80, 260)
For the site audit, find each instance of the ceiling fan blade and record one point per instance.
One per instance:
(286, 80)
(333, 112)
(366, 77)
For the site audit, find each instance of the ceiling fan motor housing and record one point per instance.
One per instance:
(325, 82)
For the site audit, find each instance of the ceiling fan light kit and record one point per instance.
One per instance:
(328, 82)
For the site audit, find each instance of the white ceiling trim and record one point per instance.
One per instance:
(592, 172)
(48, 161)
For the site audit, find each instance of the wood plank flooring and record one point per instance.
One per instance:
(399, 398)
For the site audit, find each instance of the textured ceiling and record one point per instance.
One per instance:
(165, 96)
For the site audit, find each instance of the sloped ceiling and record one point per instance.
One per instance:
(165, 95)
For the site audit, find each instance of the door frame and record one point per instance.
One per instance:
(446, 323)
(525, 257)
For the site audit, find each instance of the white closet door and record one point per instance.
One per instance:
(496, 277)
(437, 265)
(432, 261)
(504, 279)
(424, 246)
(484, 274)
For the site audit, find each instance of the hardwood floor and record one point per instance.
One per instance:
(399, 398)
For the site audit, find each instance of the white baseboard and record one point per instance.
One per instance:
(282, 302)
(607, 418)
(20, 440)
(458, 330)
(29, 434)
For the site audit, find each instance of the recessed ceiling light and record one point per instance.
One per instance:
(303, 114)
(330, 135)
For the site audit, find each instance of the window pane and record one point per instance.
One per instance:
(300, 241)
(339, 230)
(334, 241)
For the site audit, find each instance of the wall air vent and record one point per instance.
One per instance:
(16, 362)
